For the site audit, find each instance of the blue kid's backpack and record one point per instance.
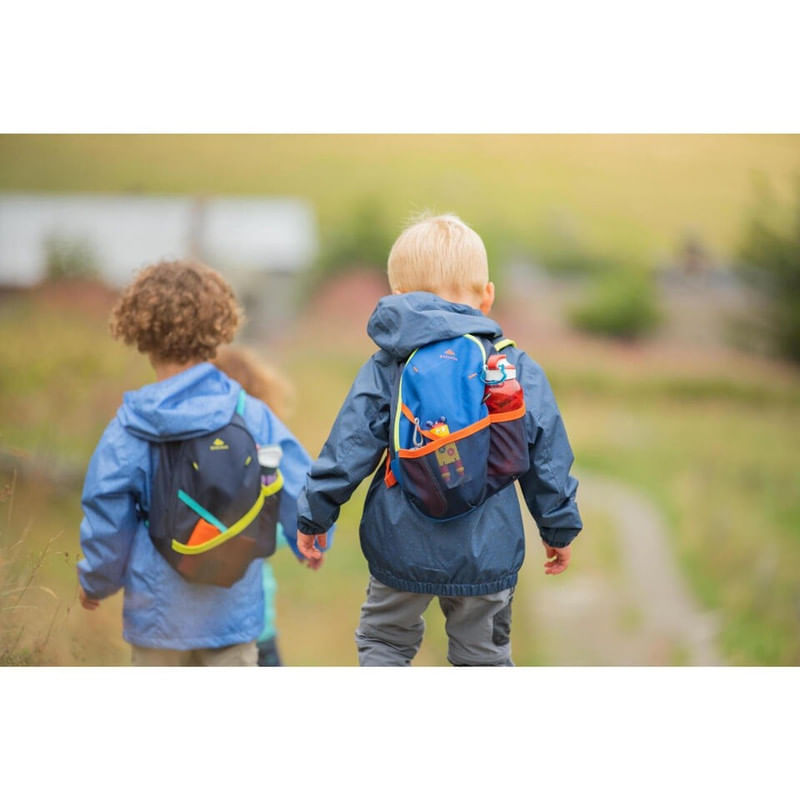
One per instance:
(210, 515)
(446, 451)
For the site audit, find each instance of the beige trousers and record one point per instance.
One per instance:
(237, 655)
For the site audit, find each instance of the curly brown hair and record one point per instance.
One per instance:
(176, 312)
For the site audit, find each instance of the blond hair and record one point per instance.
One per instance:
(438, 254)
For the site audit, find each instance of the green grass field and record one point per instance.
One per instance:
(719, 459)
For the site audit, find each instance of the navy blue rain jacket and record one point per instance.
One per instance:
(481, 552)
(160, 608)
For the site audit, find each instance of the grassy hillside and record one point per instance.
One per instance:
(718, 456)
(630, 196)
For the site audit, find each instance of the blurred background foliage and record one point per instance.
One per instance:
(69, 259)
(770, 261)
(622, 303)
(655, 278)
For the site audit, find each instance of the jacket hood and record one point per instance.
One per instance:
(403, 322)
(198, 400)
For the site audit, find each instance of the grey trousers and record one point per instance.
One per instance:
(391, 627)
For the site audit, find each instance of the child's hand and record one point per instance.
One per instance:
(560, 558)
(305, 544)
(315, 565)
(89, 603)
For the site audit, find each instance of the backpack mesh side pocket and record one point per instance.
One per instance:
(448, 477)
(225, 557)
(508, 450)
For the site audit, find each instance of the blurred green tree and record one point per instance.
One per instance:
(622, 304)
(69, 259)
(770, 256)
(362, 240)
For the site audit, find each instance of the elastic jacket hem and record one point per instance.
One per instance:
(560, 538)
(198, 643)
(310, 527)
(445, 589)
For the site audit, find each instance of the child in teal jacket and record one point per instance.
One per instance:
(264, 383)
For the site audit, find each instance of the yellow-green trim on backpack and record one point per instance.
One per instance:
(238, 526)
(477, 342)
(400, 404)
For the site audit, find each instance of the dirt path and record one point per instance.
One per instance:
(641, 612)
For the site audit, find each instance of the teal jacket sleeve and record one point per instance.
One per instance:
(358, 439)
(110, 518)
(548, 488)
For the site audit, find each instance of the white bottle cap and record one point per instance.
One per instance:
(269, 455)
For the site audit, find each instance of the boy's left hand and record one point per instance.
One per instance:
(560, 558)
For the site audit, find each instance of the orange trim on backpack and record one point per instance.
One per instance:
(413, 420)
(432, 447)
(444, 440)
(507, 416)
(388, 477)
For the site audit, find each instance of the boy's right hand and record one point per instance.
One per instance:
(89, 603)
(305, 544)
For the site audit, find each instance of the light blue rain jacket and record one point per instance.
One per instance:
(160, 608)
(480, 552)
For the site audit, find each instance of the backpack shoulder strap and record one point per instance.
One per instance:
(503, 343)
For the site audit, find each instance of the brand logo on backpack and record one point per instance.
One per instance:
(457, 440)
(218, 444)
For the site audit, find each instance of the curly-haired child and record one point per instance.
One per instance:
(177, 313)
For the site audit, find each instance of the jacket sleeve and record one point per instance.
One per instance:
(548, 488)
(268, 429)
(110, 518)
(358, 439)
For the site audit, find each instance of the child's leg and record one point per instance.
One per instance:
(159, 657)
(268, 655)
(479, 629)
(237, 655)
(391, 627)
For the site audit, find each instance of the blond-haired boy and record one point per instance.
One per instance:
(439, 276)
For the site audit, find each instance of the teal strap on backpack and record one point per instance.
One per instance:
(201, 512)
